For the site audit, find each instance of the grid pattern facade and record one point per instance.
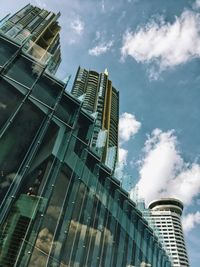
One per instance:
(101, 98)
(166, 217)
(38, 30)
(60, 206)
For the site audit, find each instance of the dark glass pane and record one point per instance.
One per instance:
(24, 71)
(15, 143)
(33, 186)
(10, 99)
(84, 128)
(66, 110)
(46, 90)
(35, 179)
(45, 238)
(74, 152)
(7, 49)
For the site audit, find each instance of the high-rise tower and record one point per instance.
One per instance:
(38, 30)
(102, 99)
(165, 215)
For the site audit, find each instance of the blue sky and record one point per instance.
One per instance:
(152, 52)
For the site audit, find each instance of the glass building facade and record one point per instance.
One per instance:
(38, 30)
(60, 206)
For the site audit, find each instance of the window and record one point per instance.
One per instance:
(24, 71)
(7, 50)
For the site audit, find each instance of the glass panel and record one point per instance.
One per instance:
(10, 99)
(30, 192)
(66, 110)
(74, 152)
(33, 182)
(15, 143)
(46, 90)
(34, 50)
(24, 71)
(84, 227)
(52, 218)
(14, 30)
(84, 128)
(15, 229)
(7, 50)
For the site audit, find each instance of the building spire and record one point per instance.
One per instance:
(106, 71)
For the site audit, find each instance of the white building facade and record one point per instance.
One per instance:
(165, 216)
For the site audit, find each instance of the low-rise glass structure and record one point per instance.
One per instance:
(60, 206)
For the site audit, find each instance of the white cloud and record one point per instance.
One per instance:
(165, 44)
(103, 6)
(163, 172)
(122, 162)
(97, 36)
(128, 127)
(190, 221)
(41, 4)
(123, 153)
(196, 5)
(100, 49)
(77, 25)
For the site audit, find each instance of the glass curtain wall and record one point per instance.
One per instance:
(59, 205)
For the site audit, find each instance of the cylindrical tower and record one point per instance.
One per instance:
(166, 215)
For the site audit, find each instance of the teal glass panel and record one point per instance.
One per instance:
(87, 227)
(66, 110)
(24, 71)
(7, 50)
(29, 248)
(71, 226)
(101, 228)
(46, 240)
(106, 234)
(46, 90)
(84, 128)
(15, 229)
(16, 142)
(34, 181)
(75, 151)
(10, 99)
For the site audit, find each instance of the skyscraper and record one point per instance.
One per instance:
(59, 205)
(38, 30)
(165, 214)
(102, 99)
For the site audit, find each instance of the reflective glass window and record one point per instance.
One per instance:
(45, 239)
(16, 142)
(84, 128)
(7, 49)
(24, 71)
(10, 99)
(66, 110)
(46, 90)
(34, 181)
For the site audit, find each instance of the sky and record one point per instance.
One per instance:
(152, 52)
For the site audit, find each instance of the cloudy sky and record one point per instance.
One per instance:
(152, 52)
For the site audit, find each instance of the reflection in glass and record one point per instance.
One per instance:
(84, 128)
(24, 71)
(47, 90)
(7, 49)
(66, 110)
(45, 240)
(10, 99)
(15, 143)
